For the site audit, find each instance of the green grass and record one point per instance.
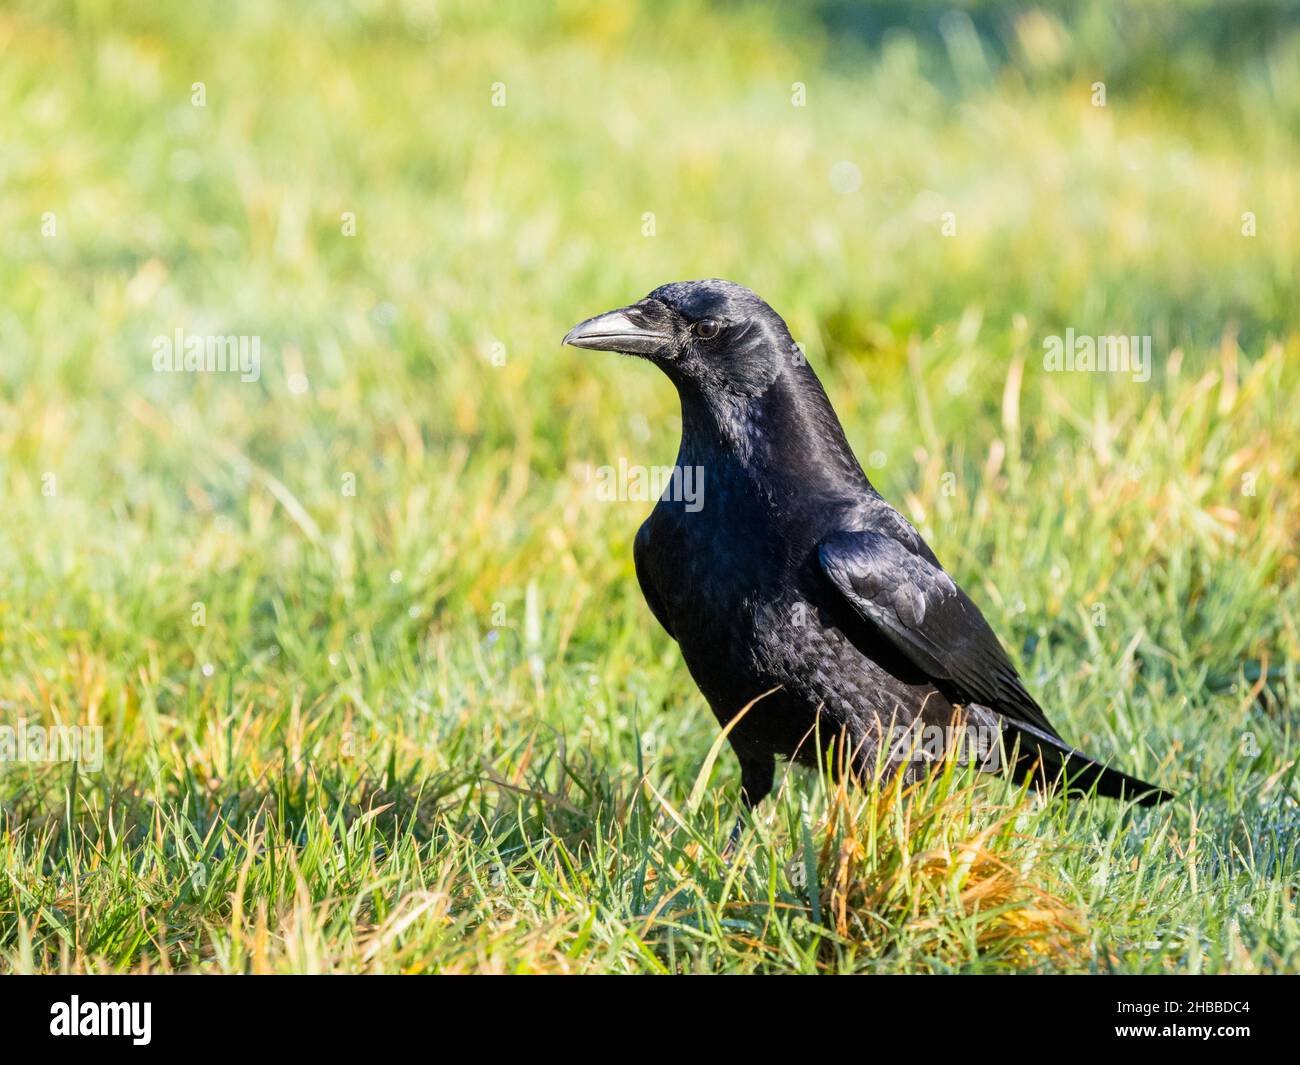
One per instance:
(431, 725)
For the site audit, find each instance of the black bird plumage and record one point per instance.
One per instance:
(795, 583)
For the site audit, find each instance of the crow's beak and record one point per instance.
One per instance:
(632, 331)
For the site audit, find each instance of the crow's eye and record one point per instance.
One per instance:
(707, 328)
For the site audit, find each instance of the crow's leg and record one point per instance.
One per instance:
(756, 775)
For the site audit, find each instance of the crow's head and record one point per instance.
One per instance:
(747, 393)
(713, 334)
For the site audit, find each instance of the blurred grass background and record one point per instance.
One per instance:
(432, 725)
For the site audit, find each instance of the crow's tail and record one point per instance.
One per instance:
(1050, 765)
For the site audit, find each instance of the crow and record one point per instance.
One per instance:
(815, 620)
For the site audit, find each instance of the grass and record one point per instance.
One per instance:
(429, 724)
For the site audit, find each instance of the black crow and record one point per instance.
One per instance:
(796, 593)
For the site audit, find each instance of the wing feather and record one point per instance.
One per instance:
(910, 600)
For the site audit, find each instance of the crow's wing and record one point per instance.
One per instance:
(911, 601)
